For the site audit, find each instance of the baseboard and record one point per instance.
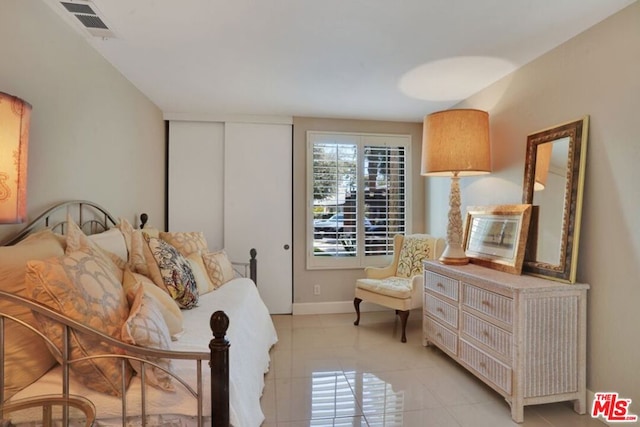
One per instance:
(333, 307)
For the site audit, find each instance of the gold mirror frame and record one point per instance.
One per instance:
(565, 268)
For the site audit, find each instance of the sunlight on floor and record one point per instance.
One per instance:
(327, 372)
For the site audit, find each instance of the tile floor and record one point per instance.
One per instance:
(327, 372)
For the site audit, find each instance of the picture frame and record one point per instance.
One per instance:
(496, 236)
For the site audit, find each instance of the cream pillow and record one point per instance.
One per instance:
(186, 242)
(219, 268)
(82, 286)
(168, 307)
(26, 356)
(200, 273)
(145, 327)
(135, 243)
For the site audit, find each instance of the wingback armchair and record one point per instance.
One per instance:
(400, 284)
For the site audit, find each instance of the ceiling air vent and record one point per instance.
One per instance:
(89, 16)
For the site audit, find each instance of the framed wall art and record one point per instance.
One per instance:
(496, 236)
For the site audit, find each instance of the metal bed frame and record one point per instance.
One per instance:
(92, 218)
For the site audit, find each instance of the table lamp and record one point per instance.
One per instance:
(14, 138)
(456, 143)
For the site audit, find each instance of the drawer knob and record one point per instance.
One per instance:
(485, 333)
(440, 285)
(440, 310)
(483, 365)
(486, 303)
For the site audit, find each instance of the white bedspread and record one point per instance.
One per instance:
(251, 334)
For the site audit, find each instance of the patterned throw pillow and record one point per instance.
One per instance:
(145, 327)
(175, 271)
(171, 313)
(82, 286)
(415, 249)
(186, 242)
(77, 240)
(219, 268)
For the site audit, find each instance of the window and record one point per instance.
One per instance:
(357, 186)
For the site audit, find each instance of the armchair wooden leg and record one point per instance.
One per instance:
(404, 315)
(356, 304)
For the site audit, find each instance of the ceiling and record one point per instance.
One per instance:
(367, 59)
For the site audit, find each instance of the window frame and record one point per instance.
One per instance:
(361, 140)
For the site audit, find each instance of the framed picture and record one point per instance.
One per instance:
(496, 236)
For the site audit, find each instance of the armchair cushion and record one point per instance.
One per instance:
(397, 287)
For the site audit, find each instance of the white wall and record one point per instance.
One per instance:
(93, 134)
(596, 73)
(338, 285)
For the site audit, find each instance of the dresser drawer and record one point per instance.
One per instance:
(489, 303)
(486, 366)
(438, 308)
(490, 335)
(441, 284)
(440, 335)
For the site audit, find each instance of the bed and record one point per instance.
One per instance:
(236, 349)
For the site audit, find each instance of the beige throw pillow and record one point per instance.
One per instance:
(77, 240)
(219, 268)
(186, 242)
(168, 307)
(26, 356)
(199, 270)
(145, 327)
(82, 286)
(135, 247)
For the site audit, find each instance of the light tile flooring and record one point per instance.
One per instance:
(327, 372)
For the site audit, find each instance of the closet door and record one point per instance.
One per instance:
(195, 179)
(258, 205)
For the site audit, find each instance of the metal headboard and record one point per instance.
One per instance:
(91, 217)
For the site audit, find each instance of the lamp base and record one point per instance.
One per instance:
(453, 256)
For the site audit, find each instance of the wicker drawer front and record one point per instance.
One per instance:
(440, 335)
(489, 303)
(442, 285)
(441, 310)
(490, 335)
(486, 366)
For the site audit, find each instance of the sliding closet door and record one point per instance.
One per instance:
(258, 205)
(196, 174)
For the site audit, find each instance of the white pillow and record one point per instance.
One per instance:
(113, 241)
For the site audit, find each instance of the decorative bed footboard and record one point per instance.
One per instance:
(218, 358)
(92, 218)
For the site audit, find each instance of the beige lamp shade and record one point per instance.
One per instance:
(456, 141)
(14, 139)
(543, 160)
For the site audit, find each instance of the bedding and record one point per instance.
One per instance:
(105, 282)
(247, 332)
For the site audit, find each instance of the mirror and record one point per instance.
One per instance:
(553, 184)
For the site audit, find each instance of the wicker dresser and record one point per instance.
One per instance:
(523, 336)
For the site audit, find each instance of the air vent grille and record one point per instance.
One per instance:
(92, 21)
(89, 17)
(78, 8)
